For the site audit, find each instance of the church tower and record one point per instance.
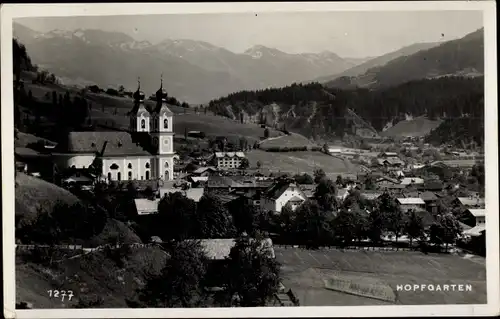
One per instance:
(163, 135)
(139, 116)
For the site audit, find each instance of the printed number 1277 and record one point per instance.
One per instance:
(60, 294)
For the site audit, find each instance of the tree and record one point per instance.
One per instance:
(266, 133)
(95, 167)
(303, 179)
(121, 89)
(259, 164)
(180, 283)
(376, 224)
(339, 180)
(445, 230)
(252, 275)
(325, 194)
(392, 214)
(213, 219)
(176, 215)
(349, 225)
(325, 148)
(319, 174)
(414, 227)
(244, 163)
(243, 144)
(312, 224)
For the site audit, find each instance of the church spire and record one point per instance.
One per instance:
(161, 94)
(139, 95)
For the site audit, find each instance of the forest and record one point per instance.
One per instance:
(448, 98)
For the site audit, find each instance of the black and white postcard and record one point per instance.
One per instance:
(250, 159)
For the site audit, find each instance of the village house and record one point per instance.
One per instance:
(469, 202)
(204, 171)
(410, 203)
(231, 160)
(479, 215)
(384, 182)
(281, 193)
(430, 200)
(412, 181)
(236, 182)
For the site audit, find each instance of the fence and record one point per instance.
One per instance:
(80, 247)
(351, 247)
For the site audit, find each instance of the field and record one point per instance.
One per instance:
(90, 276)
(300, 162)
(292, 140)
(104, 106)
(307, 273)
(417, 127)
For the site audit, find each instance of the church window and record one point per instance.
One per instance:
(155, 141)
(147, 165)
(147, 175)
(167, 175)
(109, 176)
(114, 166)
(165, 141)
(130, 165)
(143, 123)
(119, 176)
(130, 175)
(166, 164)
(165, 123)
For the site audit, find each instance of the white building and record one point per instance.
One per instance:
(280, 194)
(413, 203)
(479, 214)
(229, 159)
(144, 152)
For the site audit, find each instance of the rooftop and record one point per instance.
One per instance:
(477, 212)
(411, 201)
(229, 154)
(146, 206)
(118, 143)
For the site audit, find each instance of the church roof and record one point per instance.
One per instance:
(119, 143)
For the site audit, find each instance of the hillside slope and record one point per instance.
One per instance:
(378, 61)
(91, 277)
(419, 126)
(464, 57)
(321, 113)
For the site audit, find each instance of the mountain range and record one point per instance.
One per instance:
(194, 71)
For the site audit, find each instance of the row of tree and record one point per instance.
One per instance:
(249, 277)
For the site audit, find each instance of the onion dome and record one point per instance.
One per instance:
(161, 94)
(139, 96)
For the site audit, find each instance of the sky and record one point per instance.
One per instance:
(348, 34)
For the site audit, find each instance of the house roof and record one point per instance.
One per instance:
(118, 143)
(428, 196)
(389, 179)
(411, 201)
(219, 249)
(475, 231)
(371, 195)
(477, 212)
(236, 182)
(296, 199)
(389, 154)
(412, 180)
(431, 185)
(195, 193)
(201, 170)
(146, 206)
(229, 154)
(197, 179)
(277, 189)
(471, 201)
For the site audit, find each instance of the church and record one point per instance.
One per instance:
(144, 151)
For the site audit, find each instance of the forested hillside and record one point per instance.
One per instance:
(463, 57)
(314, 110)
